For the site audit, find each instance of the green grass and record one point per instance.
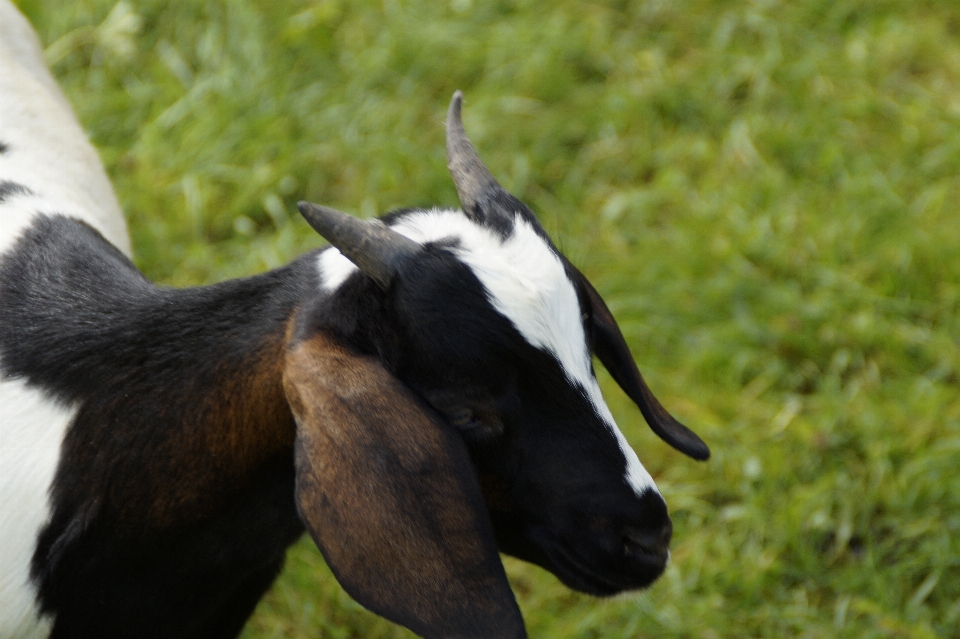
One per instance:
(765, 192)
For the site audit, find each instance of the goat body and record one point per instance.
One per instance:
(178, 461)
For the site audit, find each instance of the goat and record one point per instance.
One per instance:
(417, 397)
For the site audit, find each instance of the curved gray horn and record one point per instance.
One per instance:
(371, 245)
(475, 184)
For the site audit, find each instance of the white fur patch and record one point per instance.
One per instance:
(31, 432)
(529, 286)
(15, 216)
(334, 269)
(48, 151)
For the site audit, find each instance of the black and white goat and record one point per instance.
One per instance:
(416, 398)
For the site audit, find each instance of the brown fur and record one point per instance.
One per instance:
(389, 494)
(233, 426)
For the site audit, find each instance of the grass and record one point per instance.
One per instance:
(765, 192)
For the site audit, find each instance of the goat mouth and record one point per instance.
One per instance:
(579, 574)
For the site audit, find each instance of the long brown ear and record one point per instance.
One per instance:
(611, 347)
(389, 494)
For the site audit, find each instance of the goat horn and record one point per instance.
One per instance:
(475, 184)
(376, 249)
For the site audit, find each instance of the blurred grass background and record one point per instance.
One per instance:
(765, 192)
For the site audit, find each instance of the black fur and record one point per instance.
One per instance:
(4, 147)
(148, 538)
(8, 188)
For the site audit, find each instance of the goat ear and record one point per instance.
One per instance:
(389, 494)
(612, 350)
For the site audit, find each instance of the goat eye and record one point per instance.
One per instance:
(463, 418)
(477, 428)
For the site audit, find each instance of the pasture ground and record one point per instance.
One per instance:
(767, 193)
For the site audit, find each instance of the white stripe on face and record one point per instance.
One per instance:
(529, 286)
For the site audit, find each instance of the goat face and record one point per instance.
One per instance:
(490, 336)
(493, 334)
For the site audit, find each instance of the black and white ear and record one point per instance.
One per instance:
(389, 495)
(612, 350)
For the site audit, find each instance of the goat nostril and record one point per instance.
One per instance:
(638, 542)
